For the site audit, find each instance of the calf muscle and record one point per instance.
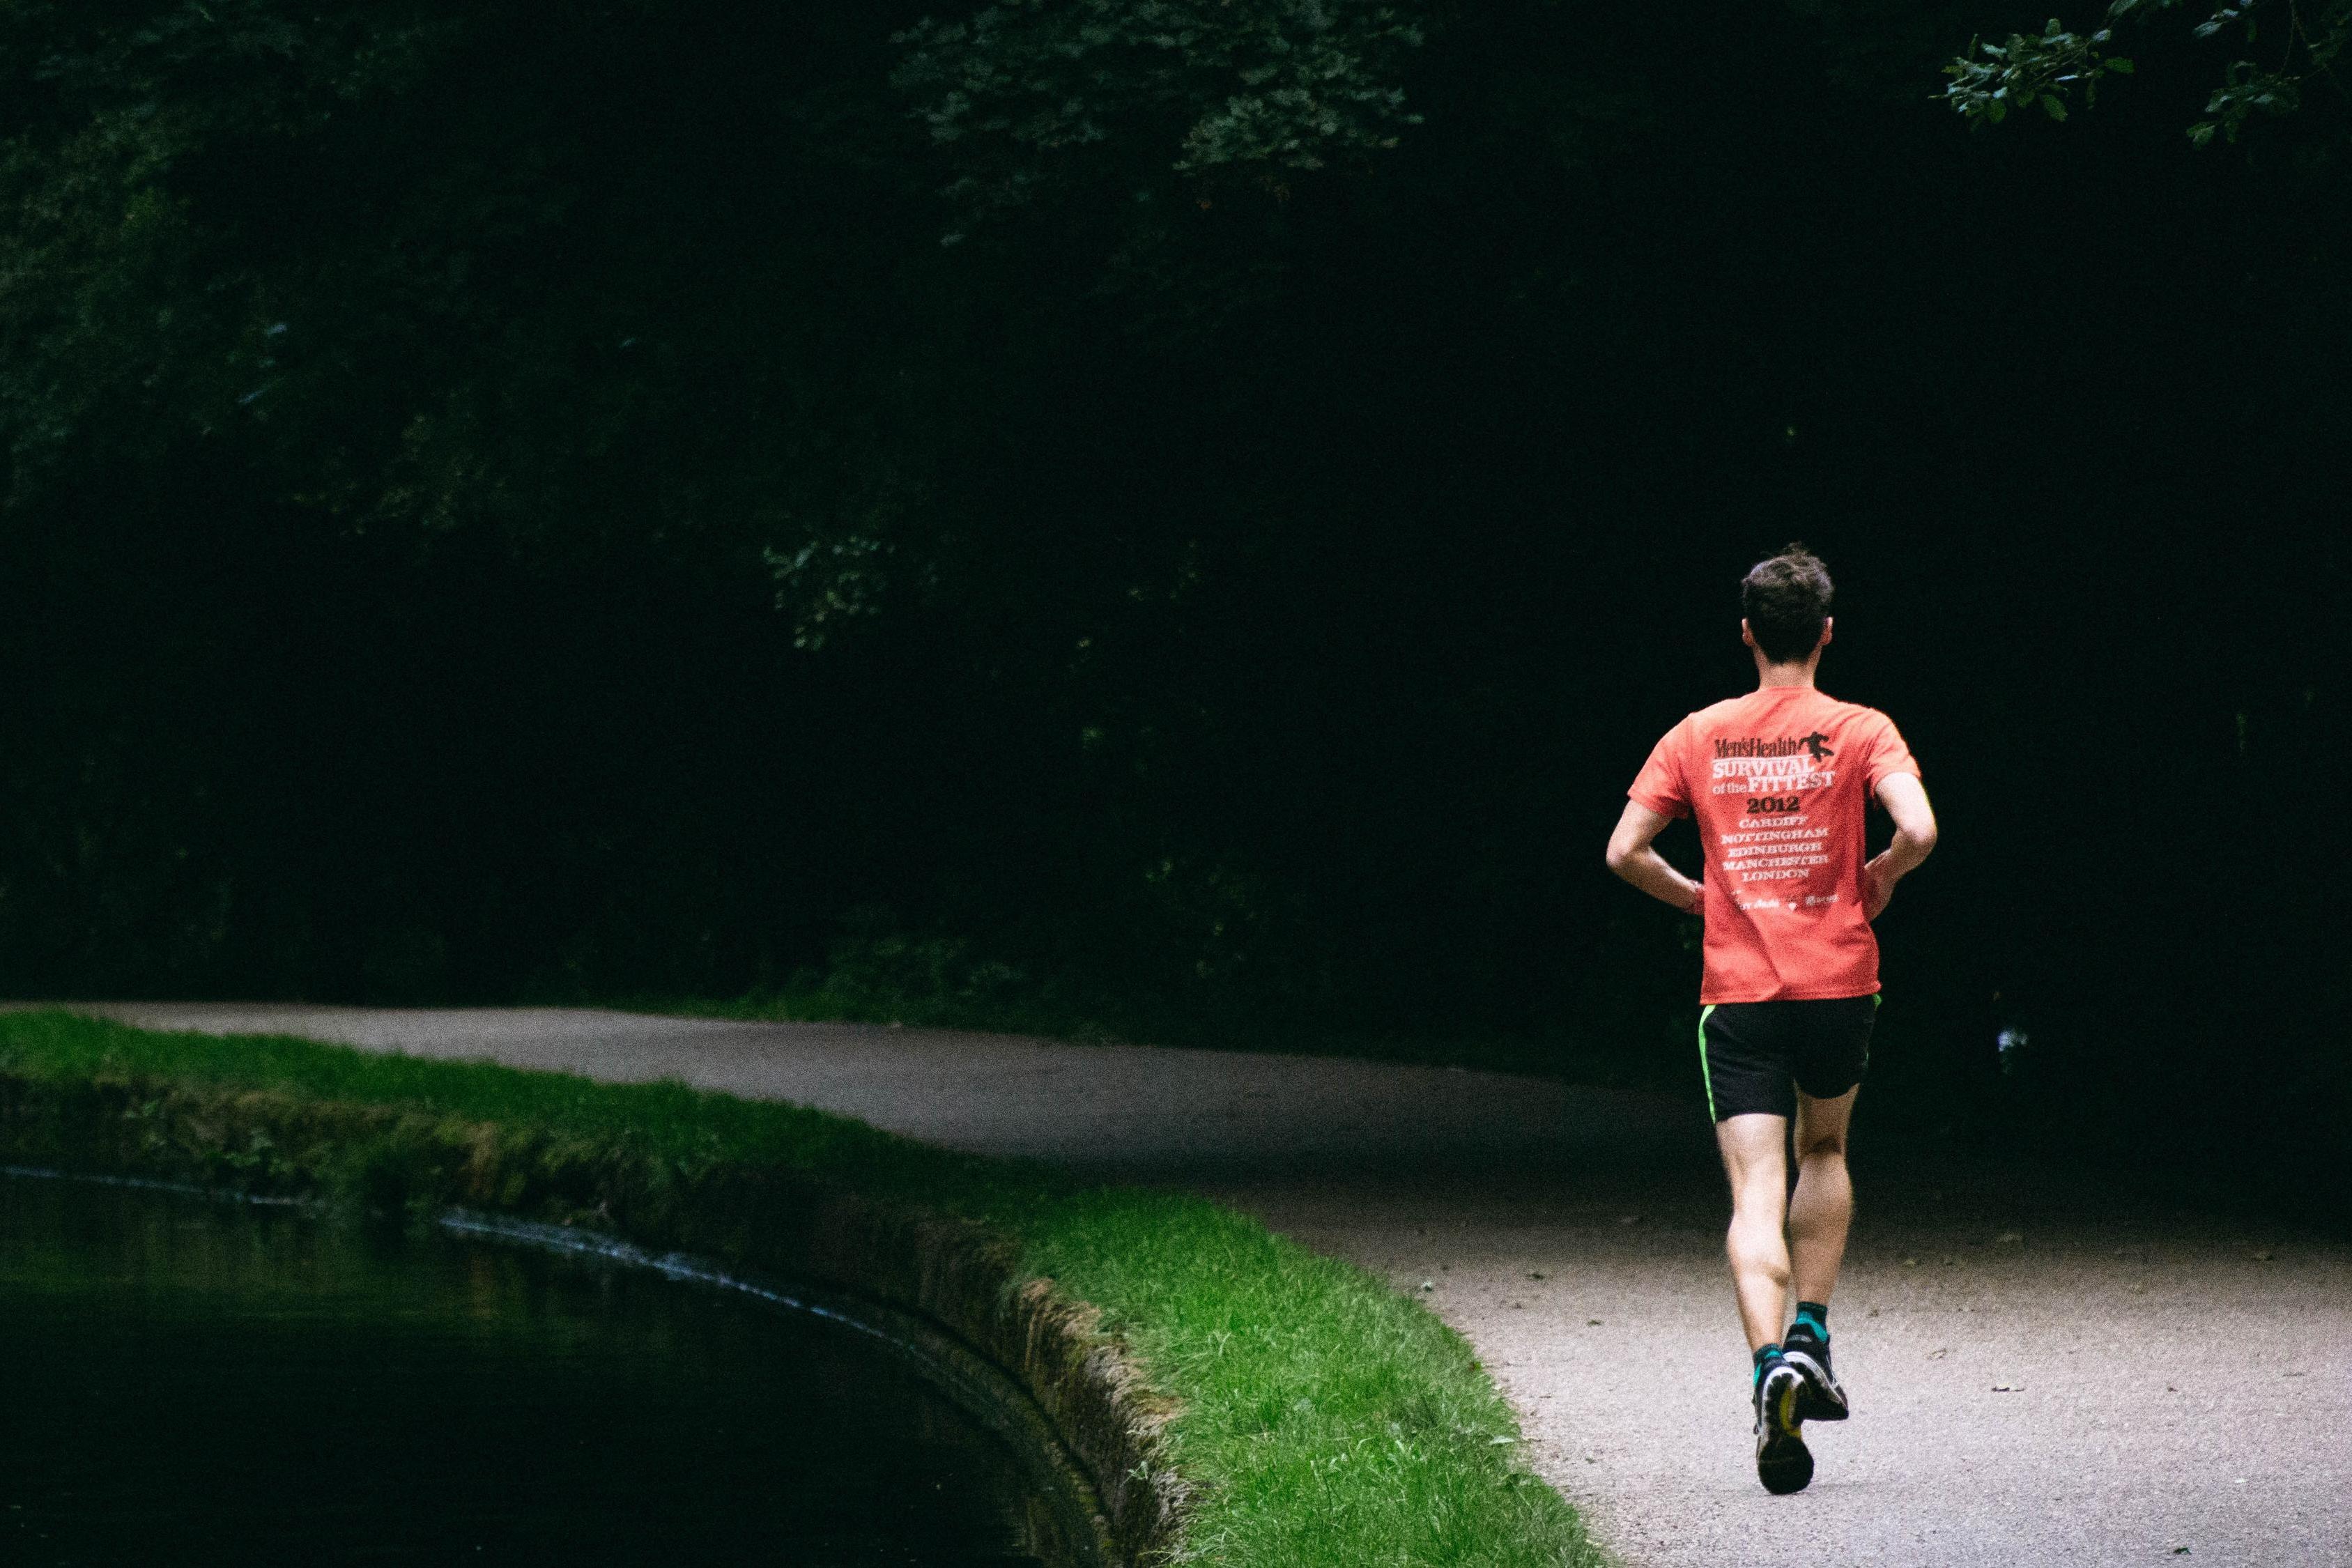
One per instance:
(1754, 1158)
(1778, 1239)
(1822, 1209)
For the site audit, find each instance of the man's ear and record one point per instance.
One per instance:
(1829, 623)
(1748, 637)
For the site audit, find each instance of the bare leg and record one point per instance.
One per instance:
(1755, 1156)
(1823, 1205)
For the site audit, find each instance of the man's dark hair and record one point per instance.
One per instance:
(1785, 600)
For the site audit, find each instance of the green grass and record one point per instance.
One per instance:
(1327, 1421)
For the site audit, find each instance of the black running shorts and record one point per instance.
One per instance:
(1757, 1055)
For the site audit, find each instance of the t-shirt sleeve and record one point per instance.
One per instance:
(1886, 752)
(1659, 785)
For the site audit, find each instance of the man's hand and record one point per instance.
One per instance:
(1877, 887)
(1915, 834)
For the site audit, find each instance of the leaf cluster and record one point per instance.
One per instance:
(1029, 92)
(2030, 71)
(2046, 69)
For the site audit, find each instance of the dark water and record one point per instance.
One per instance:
(183, 1382)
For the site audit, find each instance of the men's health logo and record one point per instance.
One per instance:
(1815, 745)
(1761, 766)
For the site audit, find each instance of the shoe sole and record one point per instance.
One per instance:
(1821, 1398)
(1784, 1463)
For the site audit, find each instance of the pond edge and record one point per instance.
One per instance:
(948, 1293)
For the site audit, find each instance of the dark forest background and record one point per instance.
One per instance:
(1172, 518)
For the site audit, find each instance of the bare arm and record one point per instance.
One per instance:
(1631, 857)
(1906, 801)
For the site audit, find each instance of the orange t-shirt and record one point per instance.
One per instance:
(1780, 781)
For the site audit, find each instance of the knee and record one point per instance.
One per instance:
(1761, 1198)
(1820, 1146)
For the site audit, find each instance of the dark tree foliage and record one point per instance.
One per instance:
(2044, 69)
(1188, 514)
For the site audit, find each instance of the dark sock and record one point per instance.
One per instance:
(1766, 1353)
(1812, 1320)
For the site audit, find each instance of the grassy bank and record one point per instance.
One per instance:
(1321, 1418)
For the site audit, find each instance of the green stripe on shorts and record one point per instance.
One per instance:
(1707, 1076)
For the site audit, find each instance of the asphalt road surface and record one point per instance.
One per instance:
(2042, 1370)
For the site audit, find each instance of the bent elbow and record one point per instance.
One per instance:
(1923, 839)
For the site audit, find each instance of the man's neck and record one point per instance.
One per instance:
(1769, 676)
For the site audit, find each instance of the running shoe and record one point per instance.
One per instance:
(1784, 1463)
(1822, 1398)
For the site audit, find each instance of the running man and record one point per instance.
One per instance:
(1780, 781)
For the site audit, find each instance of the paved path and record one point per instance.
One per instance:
(2045, 1372)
